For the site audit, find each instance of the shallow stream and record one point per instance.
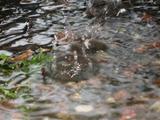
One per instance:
(99, 72)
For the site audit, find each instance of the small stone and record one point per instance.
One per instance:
(111, 100)
(4, 52)
(156, 106)
(76, 96)
(84, 108)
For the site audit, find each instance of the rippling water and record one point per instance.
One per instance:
(120, 67)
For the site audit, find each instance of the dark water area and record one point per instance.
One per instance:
(46, 17)
(106, 70)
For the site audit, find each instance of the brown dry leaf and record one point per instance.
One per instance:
(24, 56)
(128, 114)
(157, 82)
(7, 104)
(146, 17)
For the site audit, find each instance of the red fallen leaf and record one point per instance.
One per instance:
(24, 56)
(128, 114)
(156, 44)
(146, 17)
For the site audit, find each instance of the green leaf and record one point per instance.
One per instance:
(7, 93)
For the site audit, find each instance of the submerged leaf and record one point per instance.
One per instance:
(23, 56)
(128, 114)
(146, 17)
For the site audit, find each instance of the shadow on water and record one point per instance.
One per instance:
(99, 72)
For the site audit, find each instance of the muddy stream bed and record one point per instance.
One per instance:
(97, 71)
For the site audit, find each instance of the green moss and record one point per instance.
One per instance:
(7, 67)
(7, 93)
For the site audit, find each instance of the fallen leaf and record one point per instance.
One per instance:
(84, 108)
(146, 17)
(156, 45)
(128, 114)
(24, 56)
(156, 82)
(7, 104)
